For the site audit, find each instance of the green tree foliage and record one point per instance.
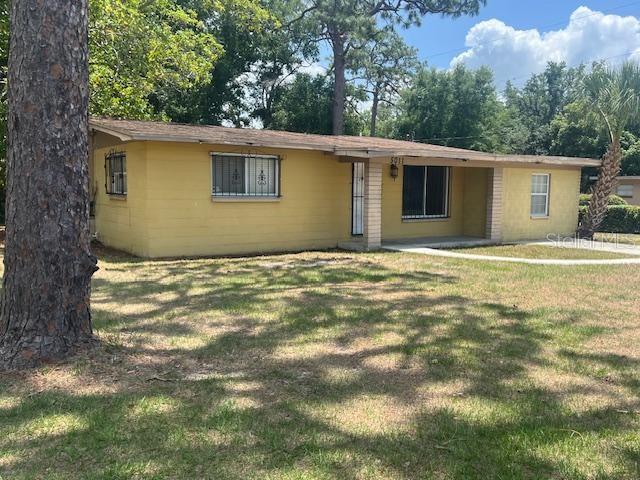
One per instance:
(347, 25)
(280, 53)
(543, 97)
(246, 30)
(630, 154)
(385, 66)
(304, 105)
(455, 108)
(142, 52)
(575, 132)
(613, 94)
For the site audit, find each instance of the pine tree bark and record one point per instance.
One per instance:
(374, 110)
(604, 186)
(45, 311)
(339, 85)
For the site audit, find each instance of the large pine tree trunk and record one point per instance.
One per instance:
(339, 86)
(48, 266)
(604, 186)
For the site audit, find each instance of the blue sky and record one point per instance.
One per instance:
(517, 37)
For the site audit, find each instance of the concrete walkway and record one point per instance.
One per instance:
(623, 248)
(583, 244)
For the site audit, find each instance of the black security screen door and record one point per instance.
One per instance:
(425, 192)
(357, 199)
(413, 191)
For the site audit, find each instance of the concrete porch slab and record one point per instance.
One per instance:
(437, 243)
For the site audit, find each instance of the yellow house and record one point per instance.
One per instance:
(167, 190)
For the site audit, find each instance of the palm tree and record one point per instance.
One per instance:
(614, 94)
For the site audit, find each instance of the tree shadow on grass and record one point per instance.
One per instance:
(347, 370)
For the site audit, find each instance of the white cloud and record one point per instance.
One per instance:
(313, 69)
(516, 54)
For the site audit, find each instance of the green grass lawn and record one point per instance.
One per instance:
(542, 251)
(339, 366)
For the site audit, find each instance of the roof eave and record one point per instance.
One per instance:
(110, 131)
(168, 138)
(472, 156)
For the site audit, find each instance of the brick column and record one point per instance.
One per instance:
(494, 204)
(372, 205)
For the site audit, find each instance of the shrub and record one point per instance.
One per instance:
(619, 219)
(585, 198)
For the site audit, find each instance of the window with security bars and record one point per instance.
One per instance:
(115, 165)
(245, 175)
(540, 194)
(425, 192)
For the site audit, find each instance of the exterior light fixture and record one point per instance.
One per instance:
(394, 171)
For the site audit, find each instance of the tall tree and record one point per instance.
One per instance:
(350, 24)
(143, 54)
(4, 56)
(282, 53)
(542, 98)
(304, 105)
(48, 266)
(614, 94)
(455, 108)
(242, 28)
(385, 65)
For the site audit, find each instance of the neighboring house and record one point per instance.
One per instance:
(162, 190)
(629, 189)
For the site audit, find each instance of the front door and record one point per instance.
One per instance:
(357, 199)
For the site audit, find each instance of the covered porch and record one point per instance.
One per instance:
(461, 241)
(428, 201)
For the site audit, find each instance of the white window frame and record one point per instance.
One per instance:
(276, 158)
(110, 181)
(626, 185)
(547, 196)
(447, 188)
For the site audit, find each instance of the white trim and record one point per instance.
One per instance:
(547, 196)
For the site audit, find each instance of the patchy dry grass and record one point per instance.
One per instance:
(339, 366)
(543, 252)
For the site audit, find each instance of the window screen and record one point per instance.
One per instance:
(240, 175)
(540, 195)
(425, 192)
(115, 166)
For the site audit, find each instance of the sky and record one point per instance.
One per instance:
(517, 38)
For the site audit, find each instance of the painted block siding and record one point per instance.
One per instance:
(169, 211)
(517, 223)
(467, 207)
(122, 222)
